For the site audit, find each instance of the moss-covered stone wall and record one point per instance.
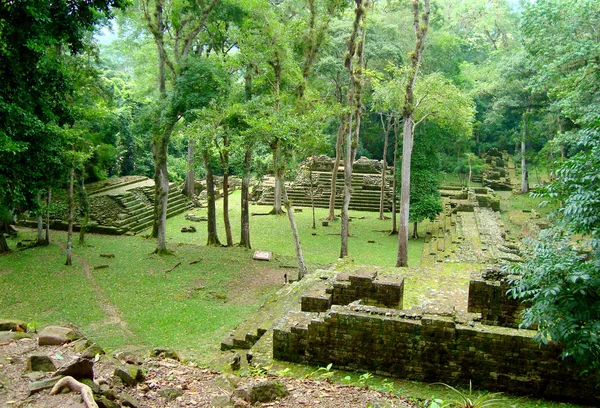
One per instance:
(431, 348)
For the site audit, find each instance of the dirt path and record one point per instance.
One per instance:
(113, 314)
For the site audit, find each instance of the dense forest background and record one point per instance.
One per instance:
(95, 89)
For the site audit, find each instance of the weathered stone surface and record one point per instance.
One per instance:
(221, 401)
(261, 391)
(78, 369)
(6, 336)
(57, 335)
(81, 344)
(90, 383)
(170, 394)
(226, 382)
(128, 357)
(40, 363)
(38, 386)
(129, 374)
(91, 351)
(165, 352)
(128, 400)
(195, 218)
(12, 325)
(104, 402)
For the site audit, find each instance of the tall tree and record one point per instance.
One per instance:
(421, 26)
(35, 90)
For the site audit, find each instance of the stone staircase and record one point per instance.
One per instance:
(365, 191)
(138, 208)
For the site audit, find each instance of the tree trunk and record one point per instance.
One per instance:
(524, 173)
(161, 190)
(278, 168)
(354, 100)
(338, 150)
(213, 238)
(190, 177)
(224, 155)
(407, 145)
(421, 26)
(70, 220)
(312, 198)
(226, 221)
(40, 223)
(3, 244)
(415, 233)
(394, 230)
(48, 201)
(386, 131)
(245, 216)
(86, 209)
(297, 245)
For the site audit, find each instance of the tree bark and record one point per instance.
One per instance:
(40, 223)
(355, 48)
(48, 201)
(213, 237)
(70, 219)
(407, 145)
(190, 177)
(415, 233)
(394, 230)
(86, 209)
(524, 173)
(408, 129)
(245, 213)
(297, 245)
(74, 385)
(224, 155)
(386, 132)
(278, 168)
(161, 189)
(336, 164)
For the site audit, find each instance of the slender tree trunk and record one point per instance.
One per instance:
(347, 190)
(3, 244)
(407, 145)
(297, 245)
(312, 198)
(415, 233)
(70, 220)
(40, 223)
(213, 238)
(190, 177)
(355, 48)
(421, 26)
(278, 168)
(245, 216)
(386, 132)
(524, 173)
(48, 201)
(85, 204)
(336, 164)
(394, 230)
(161, 189)
(226, 221)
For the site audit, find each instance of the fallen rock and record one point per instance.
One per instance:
(128, 400)
(12, 325)
(78, 369)
(165, 352)
(170, 394)
(38, 386)
(129, 374)
(104, 402)
(221, 401)
(128, 357)
(40, 363)
(57, 335)
(263, 391)
(91, 351)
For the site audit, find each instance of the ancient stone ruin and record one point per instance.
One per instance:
(412, 344)
(313, 184)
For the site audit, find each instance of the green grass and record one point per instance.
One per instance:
(272, 233)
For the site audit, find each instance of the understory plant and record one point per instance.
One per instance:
(461, 399)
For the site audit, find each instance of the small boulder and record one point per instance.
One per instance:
(81, 344)
(57, 335)
(236, 361)
(40, 363)
(128, 400)
(128, 358)
(12, 325)
(129, 374)
(221, 401)
(165, 352)
(262, 391)
(78, 369)
(45, 384)
(170, 394)
(104, 402)
(91, 351)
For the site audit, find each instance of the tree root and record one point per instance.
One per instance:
(74, 385)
